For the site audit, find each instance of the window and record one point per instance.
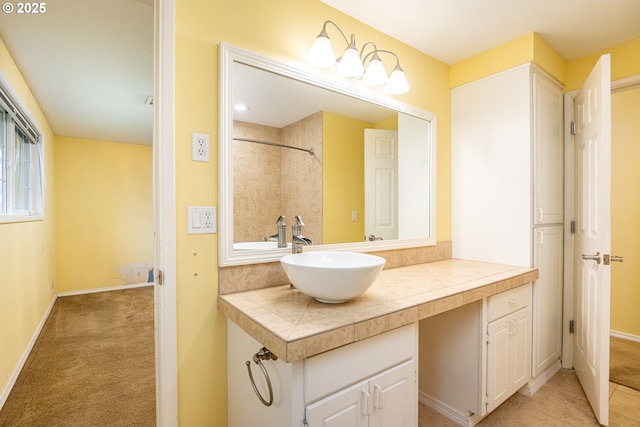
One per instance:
(21, 163)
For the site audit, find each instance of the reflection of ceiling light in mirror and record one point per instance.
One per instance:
(241, 107)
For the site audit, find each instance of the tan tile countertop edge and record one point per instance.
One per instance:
(295, 326)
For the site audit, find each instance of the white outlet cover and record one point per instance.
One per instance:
(201, 220)
(200, 147)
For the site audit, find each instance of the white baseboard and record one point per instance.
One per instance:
(466, 420)
(107, 289)
(624, 336)
(25, 355)
(536, 383)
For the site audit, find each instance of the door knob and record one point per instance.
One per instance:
(608, 259)
(595, 257)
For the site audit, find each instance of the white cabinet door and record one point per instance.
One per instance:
(491, 199)
(520, 350)
(346, 408)
(547, 297)
(508, 356)
(394, 397)
(497, 361)
(547, 151)
(387, 399)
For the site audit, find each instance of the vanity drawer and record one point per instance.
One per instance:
(329, 372)
(509, 301)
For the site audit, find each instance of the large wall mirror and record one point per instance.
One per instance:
(356, 166)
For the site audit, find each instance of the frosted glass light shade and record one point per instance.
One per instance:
(350, 64)
(321, 53)
(375, 75)
(397, 83)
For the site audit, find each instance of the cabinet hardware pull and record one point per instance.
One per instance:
(540, 237)
(377, 397)
(365, 406)
(540, 214)
(263, 354)
(513, 301)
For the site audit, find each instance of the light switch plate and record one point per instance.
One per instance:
(201, 220)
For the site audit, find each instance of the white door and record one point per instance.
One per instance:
(380, 184)
(592, 145)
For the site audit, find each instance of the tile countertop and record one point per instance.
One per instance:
(294, 326)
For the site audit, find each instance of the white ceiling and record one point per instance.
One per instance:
(453, 30)
(89, 63)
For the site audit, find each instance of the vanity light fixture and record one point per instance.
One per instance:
(352, 63)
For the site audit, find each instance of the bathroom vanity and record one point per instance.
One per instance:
(363, 362)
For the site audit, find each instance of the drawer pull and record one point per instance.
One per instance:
(513, 302)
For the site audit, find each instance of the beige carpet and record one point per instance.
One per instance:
(92, 365)
(624, 362)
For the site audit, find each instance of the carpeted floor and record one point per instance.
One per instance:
(92, 365)
(624, 364)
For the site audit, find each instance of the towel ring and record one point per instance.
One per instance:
(263, 354)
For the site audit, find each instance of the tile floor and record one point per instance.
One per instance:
(559, 403)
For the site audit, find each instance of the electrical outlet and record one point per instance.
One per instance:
(201, 220)
(200, 147)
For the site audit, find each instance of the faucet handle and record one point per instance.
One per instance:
(299, 220)
(280, 220)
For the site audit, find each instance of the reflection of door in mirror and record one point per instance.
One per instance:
(271, 180)
(380, 184)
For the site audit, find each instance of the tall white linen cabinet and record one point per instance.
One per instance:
(507, 191)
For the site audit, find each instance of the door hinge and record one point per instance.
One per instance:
(160, 277)
(573, 227)
(573, 128)
(571, 326)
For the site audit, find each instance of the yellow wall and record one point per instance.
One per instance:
(27, 252)
(625, 210)
(625, 62)
(104, 212)
(342, 178)
(529, 48)
(284, 30)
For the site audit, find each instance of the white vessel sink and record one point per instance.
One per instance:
(332, 277)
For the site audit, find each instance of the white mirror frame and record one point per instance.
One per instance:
(227, 56)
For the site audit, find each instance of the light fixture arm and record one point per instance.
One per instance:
(375, 54)
(324, 33)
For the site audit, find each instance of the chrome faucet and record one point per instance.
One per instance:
(298, 240)
(282, 232)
